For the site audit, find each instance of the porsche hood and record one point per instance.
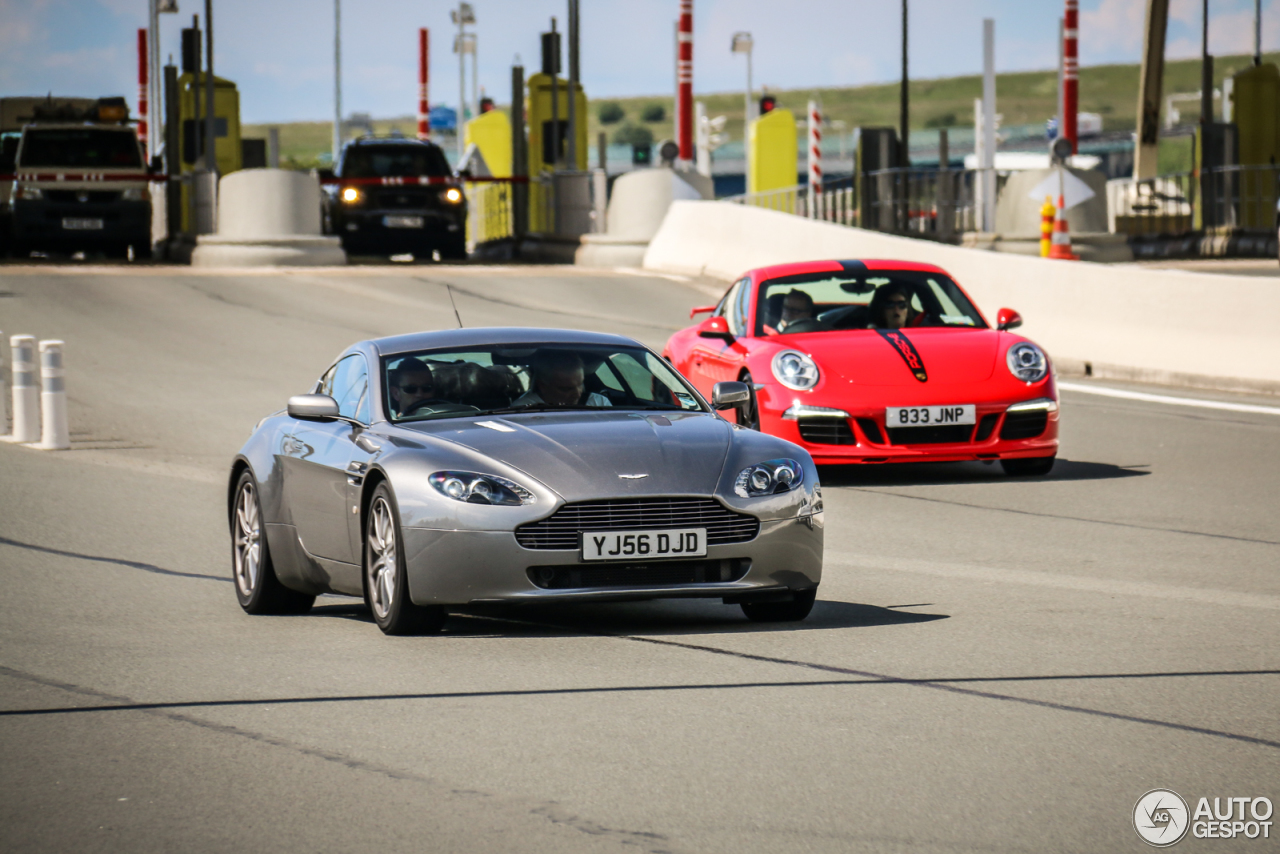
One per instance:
(597, 454)
(898, 357)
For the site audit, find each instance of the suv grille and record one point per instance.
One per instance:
(658, 574)
(401, 198)
(562, 530)
(96, 197)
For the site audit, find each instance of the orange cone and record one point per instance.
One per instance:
(1046, 226)
(1061, 246)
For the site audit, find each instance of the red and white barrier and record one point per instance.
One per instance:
(424, 112)
(26, 395)
(1071, 72)
(815, 160)
(684, 81)
(142, 91)
(54, 435)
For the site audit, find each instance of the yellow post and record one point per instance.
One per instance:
(1256, 112)
(490, 214)
(1047, 213)
(226, 118)
(542, 154)
(772, 146)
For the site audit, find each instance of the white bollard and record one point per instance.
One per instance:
(26, 395)
(53, 398)
(4, 391)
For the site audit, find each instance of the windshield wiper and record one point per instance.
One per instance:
(545, 407)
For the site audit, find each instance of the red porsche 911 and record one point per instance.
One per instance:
(876, 362)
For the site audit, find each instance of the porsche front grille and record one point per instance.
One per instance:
(562, 530)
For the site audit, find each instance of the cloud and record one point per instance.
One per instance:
(1115, 25)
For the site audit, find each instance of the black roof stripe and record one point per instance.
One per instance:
(853, 266)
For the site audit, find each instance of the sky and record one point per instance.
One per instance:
(280, 52)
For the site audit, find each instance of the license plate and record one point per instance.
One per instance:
(628, 545)
(921, 416)
(402, 221)
(76, 224)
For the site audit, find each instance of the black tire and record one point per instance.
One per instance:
(386, 581)
(258, 589)
(748, 414)
(1028, 466)
(454, 248)
(782, 612)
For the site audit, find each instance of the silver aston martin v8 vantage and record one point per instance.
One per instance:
(448, 469)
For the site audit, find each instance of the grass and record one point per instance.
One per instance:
(1023, 98)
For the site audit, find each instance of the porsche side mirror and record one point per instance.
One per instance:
(1007, 319)
(702, 309)
(715, 327)
(313, 407)
(727, 395)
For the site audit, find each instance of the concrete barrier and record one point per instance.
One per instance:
(1110, 321)
(268, 217)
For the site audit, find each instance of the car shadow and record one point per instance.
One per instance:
(663, 617)
(935, 474)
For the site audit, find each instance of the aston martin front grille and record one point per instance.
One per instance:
(657, 574)
(562, 530)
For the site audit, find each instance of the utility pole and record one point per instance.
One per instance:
(1150, 85)
(904, 104)
(1257, 32)
(337, 80)
(572, 153)
(743, 43)
(1206, 70)
(463, 15)
(211, 120)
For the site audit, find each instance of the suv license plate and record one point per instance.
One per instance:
(402, 221)
(623, 545)
(76, 224)
(920, 416)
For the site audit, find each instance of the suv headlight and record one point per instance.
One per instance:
(136, 194)
(29, 193)
(1027, 362)
(452, 195)
(768, 478)
(795, 370)
(472, 488)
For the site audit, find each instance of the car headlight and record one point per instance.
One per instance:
(452, 195)
(31, 193)
(136, 194)
(472, 488)
(350, 195)
(1027, 362)
(795, 370)
(768, 478)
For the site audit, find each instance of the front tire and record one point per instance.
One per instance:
(258, 589)
(386, 578)
(1028, 466)
(782, 612)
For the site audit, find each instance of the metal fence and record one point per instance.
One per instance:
(1242, 197)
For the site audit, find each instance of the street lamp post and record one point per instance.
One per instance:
(463, 15)
(337, 80)
(742, 43)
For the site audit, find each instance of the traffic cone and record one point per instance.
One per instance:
(1061, 247)
(1046, 226)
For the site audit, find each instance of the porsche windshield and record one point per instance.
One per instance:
(825, 302)
(530, 378)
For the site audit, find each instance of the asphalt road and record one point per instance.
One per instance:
(994, 665)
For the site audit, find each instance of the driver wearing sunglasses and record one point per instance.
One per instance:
(412, 386)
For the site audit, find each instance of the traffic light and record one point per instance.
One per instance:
(641, 155)
(767, 103)
(486, 105)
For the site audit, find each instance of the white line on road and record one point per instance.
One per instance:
(1107, 586)
(1173, 401)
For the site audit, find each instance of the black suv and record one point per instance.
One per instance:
(374, 213)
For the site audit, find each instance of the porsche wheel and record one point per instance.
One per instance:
(782, 612)
(386, 580)
(258, 589)
(748, 414)
(1028, 467)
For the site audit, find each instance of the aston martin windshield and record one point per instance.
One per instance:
(824, 302)
(530, 378)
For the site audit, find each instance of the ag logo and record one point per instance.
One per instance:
(1161, 817)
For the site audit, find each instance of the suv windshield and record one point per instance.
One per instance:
(824, 302)
(394, 161)
(88, 148)
(531, 378)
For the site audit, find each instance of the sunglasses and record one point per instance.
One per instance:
(417, 389)
(896, 303)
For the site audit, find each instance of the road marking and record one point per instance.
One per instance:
(1106, 586)
(1173, 401)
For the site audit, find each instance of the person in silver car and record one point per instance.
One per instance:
(559, 379)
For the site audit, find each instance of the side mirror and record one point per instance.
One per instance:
(704, 309)
(313, 407)
(1007, 319)
(325, 175)
(715, 327)
(727, 395)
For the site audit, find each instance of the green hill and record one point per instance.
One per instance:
(1022, 98)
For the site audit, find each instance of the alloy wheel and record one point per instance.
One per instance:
(382, 558)
(248, 540)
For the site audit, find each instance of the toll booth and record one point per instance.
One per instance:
(543, 134)
(1255, 109)
(772, 152)
(192, 133)
(489, 212)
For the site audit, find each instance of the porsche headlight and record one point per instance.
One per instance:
(768, 478)
(472, 488)
(795, 370)
(1027, 362)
